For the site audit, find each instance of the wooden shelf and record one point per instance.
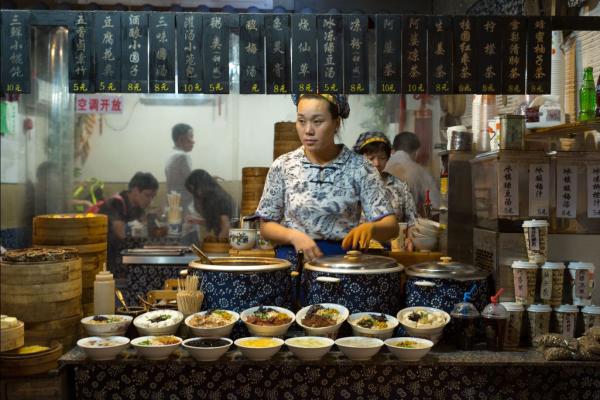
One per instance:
(563, 130)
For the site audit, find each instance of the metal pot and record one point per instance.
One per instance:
(360, 282)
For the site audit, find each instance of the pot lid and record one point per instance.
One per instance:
(242, 264)
(445, 268)
(354, 262)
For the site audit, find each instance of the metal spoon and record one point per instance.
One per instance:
(121, 299)
(203, 257)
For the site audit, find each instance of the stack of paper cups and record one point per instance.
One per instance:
(551, 289)
(557, 80)
(513, 325)
(536, 240)
(524, 274)
(582, 274)
(566, 318)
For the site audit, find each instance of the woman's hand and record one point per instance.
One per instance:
(301, 241)
(359, 237)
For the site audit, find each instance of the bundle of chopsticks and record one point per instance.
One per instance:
(189, 298)
(174, 208)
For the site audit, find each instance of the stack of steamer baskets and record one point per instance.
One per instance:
(253, 182)
(286, 138)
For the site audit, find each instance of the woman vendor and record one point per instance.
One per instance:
(314, 195)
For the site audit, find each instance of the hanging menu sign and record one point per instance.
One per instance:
(252, 52)
(80, 55)
(134, 52)
(215, 47)
(15, 52)
(278, 53)
(489, 34)
(356, 61)
(189, 55)
(331, 65)
(465, 57)
(593, 191)
(508, 190)
(439, 61)
(539, 190)
(539, 55)
(107, 32)
(513, 55)
(161, 33)
(566, 191)
(389, 58)
(304, 53)
(414, 50)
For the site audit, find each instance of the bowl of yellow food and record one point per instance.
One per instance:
(267, 320)
(156, 347)
(371, 324)
(103, 348)
(309, 348)
(322, 319)
(409, 348)
(259, 348)
(212, 323)
(106, 324)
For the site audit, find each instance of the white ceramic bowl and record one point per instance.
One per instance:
(359, 348)
(405, 353)
(417, 234)
(201, 353)
(328, 331)
(258, 353)
(309, 348)
(264, 330)
(221, 331)
(166, 327)
(383, 334)
(154, 352)
(242, 239)
(426, 230)
(117, 328)
(95, 350)
(433, 334)
(425, 243)
(429, 224)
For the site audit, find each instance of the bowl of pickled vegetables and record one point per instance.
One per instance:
(212, 323)
(423, 322)
(267, 320)
(371, 324)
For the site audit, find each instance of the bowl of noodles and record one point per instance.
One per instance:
(212, 323)
(322, 319)
(267, 320)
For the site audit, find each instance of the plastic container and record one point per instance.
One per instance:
(104, 292)
(466, 319)
(582, 274)
(551, 289)
(514, 324)
(525, 277)
(591, 316)
(566, 319)
(536, 240)
(495, 317)
(539, 319)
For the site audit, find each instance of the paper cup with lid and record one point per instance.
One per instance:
(539, 319)
(524, 277)
(591, 316)
(551, 288)
(582, 274)
(514, 324)
(566, 318)
(536, 239)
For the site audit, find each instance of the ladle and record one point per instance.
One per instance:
(121, 299)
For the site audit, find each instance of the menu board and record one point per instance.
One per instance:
(80, 54)
(134, 52)
(466, 79)
(277, 28)
(304, 53)
(161, 33)
(331, 65)
(356, 52)
(215, 47)
(489, 34)
(439, 61)
(539, 55)
(16, 75)
(414, 51)
(252, 53)
(190, 76)
(513, 55)
(107, 34)
(389, 57)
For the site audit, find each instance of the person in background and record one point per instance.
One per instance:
(179, 163)
(402, 165)
(313, 196)
(211, 208)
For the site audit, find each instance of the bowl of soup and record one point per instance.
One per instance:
(212, 323)
(106, 324)
(101, 348)
(322, 319)
(267, 320)
(207, 348)
(408, 348)
(258, 348)
(359, 348)
(309, 348)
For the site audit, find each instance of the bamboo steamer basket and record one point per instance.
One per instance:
(69, 229)
(253, 183)
(65, 330)
(12, 338)
(286, 138)
(12, 364)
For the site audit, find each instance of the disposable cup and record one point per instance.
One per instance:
(551, 288)
(539, 319)
(536, 240)
(514, 324)
(566, 318)
(524, 274)
(582, 274)
(591, 316)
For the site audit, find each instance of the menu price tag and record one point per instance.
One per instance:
(439, 60)
(162, 52)
(593, 191)
(80, 55)
(414, 50)
(465, 57)
(330, 58)
(513, 55)
(304, 53)
(277, 28)
(539, 55)
(508, 188)
(539, 190)
(252, 52)
(14, 60)
(566, 191)
(189, 53)
(489, 32)
(215, 47)
(134, 52)
(107, 32)
(356, 54)
(389, 49)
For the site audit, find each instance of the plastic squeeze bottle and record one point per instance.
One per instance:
(104, 292)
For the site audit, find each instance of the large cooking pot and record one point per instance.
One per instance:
(360, 282)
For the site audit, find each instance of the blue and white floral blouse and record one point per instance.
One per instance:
(325, 202)
(401, 199)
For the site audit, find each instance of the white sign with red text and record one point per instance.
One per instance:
(100, 103)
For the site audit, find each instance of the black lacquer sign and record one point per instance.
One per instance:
(161, 33)
(304, 53)
(252, 52)
(80, 56)
(356, 52)
(330, 54)
(465, 55)
(539, 55)
(489, 34)
(215, 50)
(389, 57)
(277, 29)
(189, 53)
(513, 55)
(107, 44)
(439, 60)
(16, 75)
(134, 52)
(414, 54)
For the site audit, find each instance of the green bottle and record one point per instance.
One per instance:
(587, 96)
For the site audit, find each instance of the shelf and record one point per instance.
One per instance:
(563, 130)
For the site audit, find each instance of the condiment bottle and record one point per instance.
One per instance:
(104, 292)
(495, 317)
(466, 318)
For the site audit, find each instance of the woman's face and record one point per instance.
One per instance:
(379, 159)
(315, 125)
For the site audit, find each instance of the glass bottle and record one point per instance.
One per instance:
(598, 97)
(587, 96)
